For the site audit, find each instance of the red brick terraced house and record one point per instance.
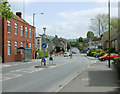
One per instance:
(17, 33)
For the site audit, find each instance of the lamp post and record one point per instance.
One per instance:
(109, 31)
(33, 33)
(44, 42)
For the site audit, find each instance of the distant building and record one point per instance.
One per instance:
(50, 44)
(95, 43)
(39, 43)
(17, 33)
(60, 42)
(114, 40)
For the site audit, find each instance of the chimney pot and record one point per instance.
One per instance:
(19, 14)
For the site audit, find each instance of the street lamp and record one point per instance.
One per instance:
(109, 31)
(44, 28)
(34, 31)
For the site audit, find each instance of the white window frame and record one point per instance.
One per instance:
(26, 32)
(16, 27)
(21, 29)
(30, 33)
(15, 47)
(8, 26)
(30, 45)
(21, 46)
(8, 48)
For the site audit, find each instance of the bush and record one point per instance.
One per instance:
(98, 50)
(46, 53)
(41, 54)
(117, 58)
(92, 53)
(112, 49)
(102, 53)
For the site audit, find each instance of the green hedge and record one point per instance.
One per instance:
(41, 54)
(46, 53)
(117, 58)
(98, 50)
(92, 53)
(102, 53)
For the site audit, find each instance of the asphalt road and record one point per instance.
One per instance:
(27, 78)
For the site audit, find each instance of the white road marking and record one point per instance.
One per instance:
(67, 82)
(21, 72)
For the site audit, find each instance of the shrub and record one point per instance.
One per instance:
(119, 53)
(102, 53)
(92, 53)
(117, 58)
(46, 53)
(98, 50)
(112, 49)
(41, 54)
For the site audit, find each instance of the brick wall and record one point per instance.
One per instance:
(16, 38)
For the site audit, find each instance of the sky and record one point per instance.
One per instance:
(68, 19)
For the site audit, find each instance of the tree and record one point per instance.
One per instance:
(99, 20)
(80, 39)
(5, 10)
(114, 23)
(90, 34)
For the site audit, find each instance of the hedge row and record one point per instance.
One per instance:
(97, 52)
(41, 54)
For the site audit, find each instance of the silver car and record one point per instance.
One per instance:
(66, 54)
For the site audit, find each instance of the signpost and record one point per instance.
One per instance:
(43, 60)
(44, 45)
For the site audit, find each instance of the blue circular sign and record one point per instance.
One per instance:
(44, 45)
(43, 60)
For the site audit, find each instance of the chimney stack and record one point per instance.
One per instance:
(19, 14)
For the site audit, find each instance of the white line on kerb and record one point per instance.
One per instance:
(68, 82)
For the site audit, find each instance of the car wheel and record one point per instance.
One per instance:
(103, 59)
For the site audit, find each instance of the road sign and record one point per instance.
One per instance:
(43, 60)
(44, 45)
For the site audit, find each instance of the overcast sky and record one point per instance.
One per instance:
(67, 19)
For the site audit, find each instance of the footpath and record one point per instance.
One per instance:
(96, 79)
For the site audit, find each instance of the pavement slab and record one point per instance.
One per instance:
(96, 78)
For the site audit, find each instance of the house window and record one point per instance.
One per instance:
(29, 45)
(33, 34)
(30, 33)
(26, 32)
(21, 46)
(15, 29)
(8, 47)
(26, 45)
(15, 48)
(8, 26)
(21, 30)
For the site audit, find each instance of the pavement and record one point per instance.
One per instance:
(96, 78)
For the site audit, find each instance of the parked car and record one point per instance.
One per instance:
(66, 54)
(106, 57)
